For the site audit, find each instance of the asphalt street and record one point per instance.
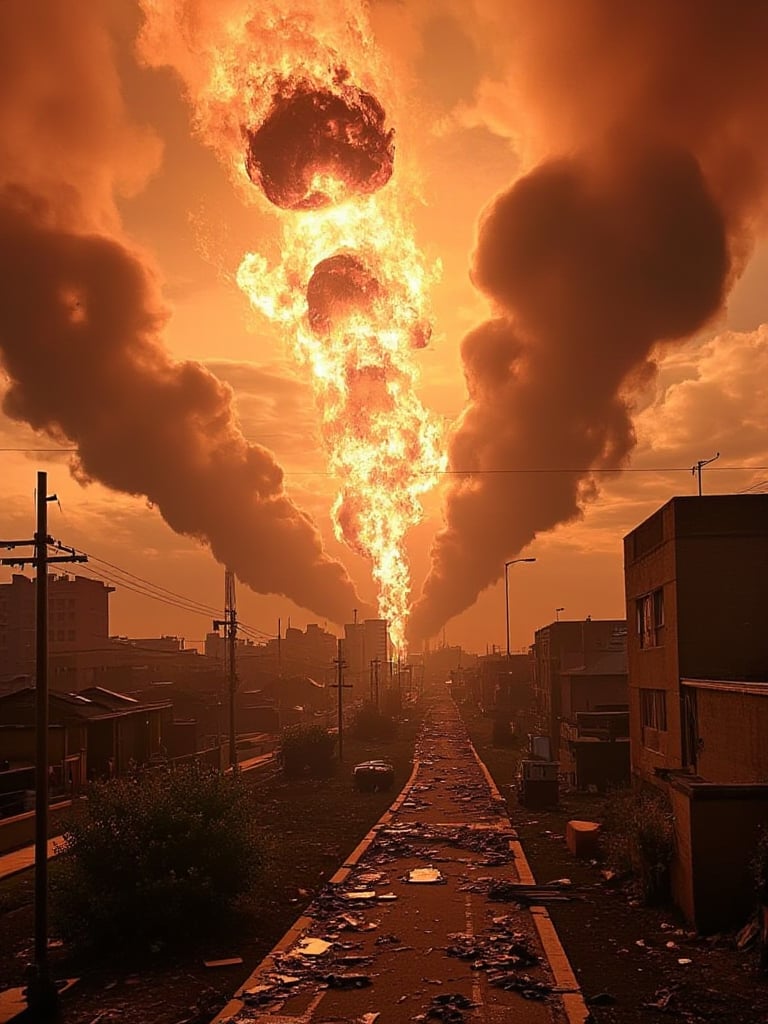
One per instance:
(431, 918)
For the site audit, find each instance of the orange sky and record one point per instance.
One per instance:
(466, 146)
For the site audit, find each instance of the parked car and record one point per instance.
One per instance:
(372, 776)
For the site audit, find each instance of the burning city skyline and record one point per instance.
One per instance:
(610, 220)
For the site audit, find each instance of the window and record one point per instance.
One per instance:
(653, 717)
(70, 634)
(650, 617)
(653, 709)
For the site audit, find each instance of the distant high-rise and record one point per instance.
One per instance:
(365, 643)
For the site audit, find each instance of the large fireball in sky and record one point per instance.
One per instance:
(317, 147)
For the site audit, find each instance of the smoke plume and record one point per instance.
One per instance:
(630, 238)
(81, 319)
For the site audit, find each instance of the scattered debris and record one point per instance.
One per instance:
(683, 960)
(360, 894)
(449, 1007)
(601, 999)
(425, 876)
(662, 998)
(747, 935)
(347, 980)
(231, 962)
(313, 947)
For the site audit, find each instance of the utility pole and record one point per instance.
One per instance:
(341, 686)
(42, 994)
(229, 624)
(375, 682)
(696, 470)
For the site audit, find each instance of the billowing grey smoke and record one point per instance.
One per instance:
(592, 259)
(80, 341)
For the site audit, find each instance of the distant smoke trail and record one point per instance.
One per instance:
(81, 318)
(593, 258)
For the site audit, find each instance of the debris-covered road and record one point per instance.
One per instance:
(435, 917)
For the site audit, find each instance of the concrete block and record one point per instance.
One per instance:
(582, 838)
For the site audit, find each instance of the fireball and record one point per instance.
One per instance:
(289, 96)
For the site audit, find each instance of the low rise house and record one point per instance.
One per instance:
(695, 576)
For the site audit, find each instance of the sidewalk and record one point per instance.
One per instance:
(392, 946)
(20, 860)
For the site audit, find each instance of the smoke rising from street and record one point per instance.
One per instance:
(630, 238)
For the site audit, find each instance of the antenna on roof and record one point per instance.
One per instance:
(696, 470)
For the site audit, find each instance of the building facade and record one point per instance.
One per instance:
(697, 649)
(565, 651)
(78, 627)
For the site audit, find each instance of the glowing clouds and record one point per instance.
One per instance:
(316, 147)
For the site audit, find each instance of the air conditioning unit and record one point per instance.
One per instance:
(540, 771)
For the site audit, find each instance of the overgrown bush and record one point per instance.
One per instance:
(639, 838)
(151, 858)
(372, 724)
(307, 750)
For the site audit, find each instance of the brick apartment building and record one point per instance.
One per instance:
(579, 666)
(78, 628)
(695, 578)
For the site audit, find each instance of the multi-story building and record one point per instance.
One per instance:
(366, 653)
(695, 576)
(78, 627)
(573, 673)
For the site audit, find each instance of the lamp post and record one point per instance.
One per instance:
(512, 561)
(557, 613)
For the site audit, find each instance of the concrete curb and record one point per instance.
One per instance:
(297, 929)
(576, 1010)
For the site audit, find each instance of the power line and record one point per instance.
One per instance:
(145, 588)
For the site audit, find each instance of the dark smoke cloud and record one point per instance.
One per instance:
(594, 258)
(80, 342)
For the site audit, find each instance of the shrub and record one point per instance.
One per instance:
(372, 724)
(152, 857)
(639, 838)
(307, 750)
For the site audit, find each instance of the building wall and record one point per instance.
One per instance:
(586, 692)
(723, 885)
(722, 566)
(709, 557)
(78, 627)
(733, 735)
(649, 565)
(567, 645)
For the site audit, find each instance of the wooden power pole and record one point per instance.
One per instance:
(42, 994)
(229, 624)
(341, 686)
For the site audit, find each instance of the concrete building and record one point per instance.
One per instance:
(578, 666)
(78, 628)
(695, 575)
(366, 653)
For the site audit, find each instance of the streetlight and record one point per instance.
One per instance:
(512, 561)
(557, 613)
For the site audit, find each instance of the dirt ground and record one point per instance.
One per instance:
(627, 956)
(318, 822)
